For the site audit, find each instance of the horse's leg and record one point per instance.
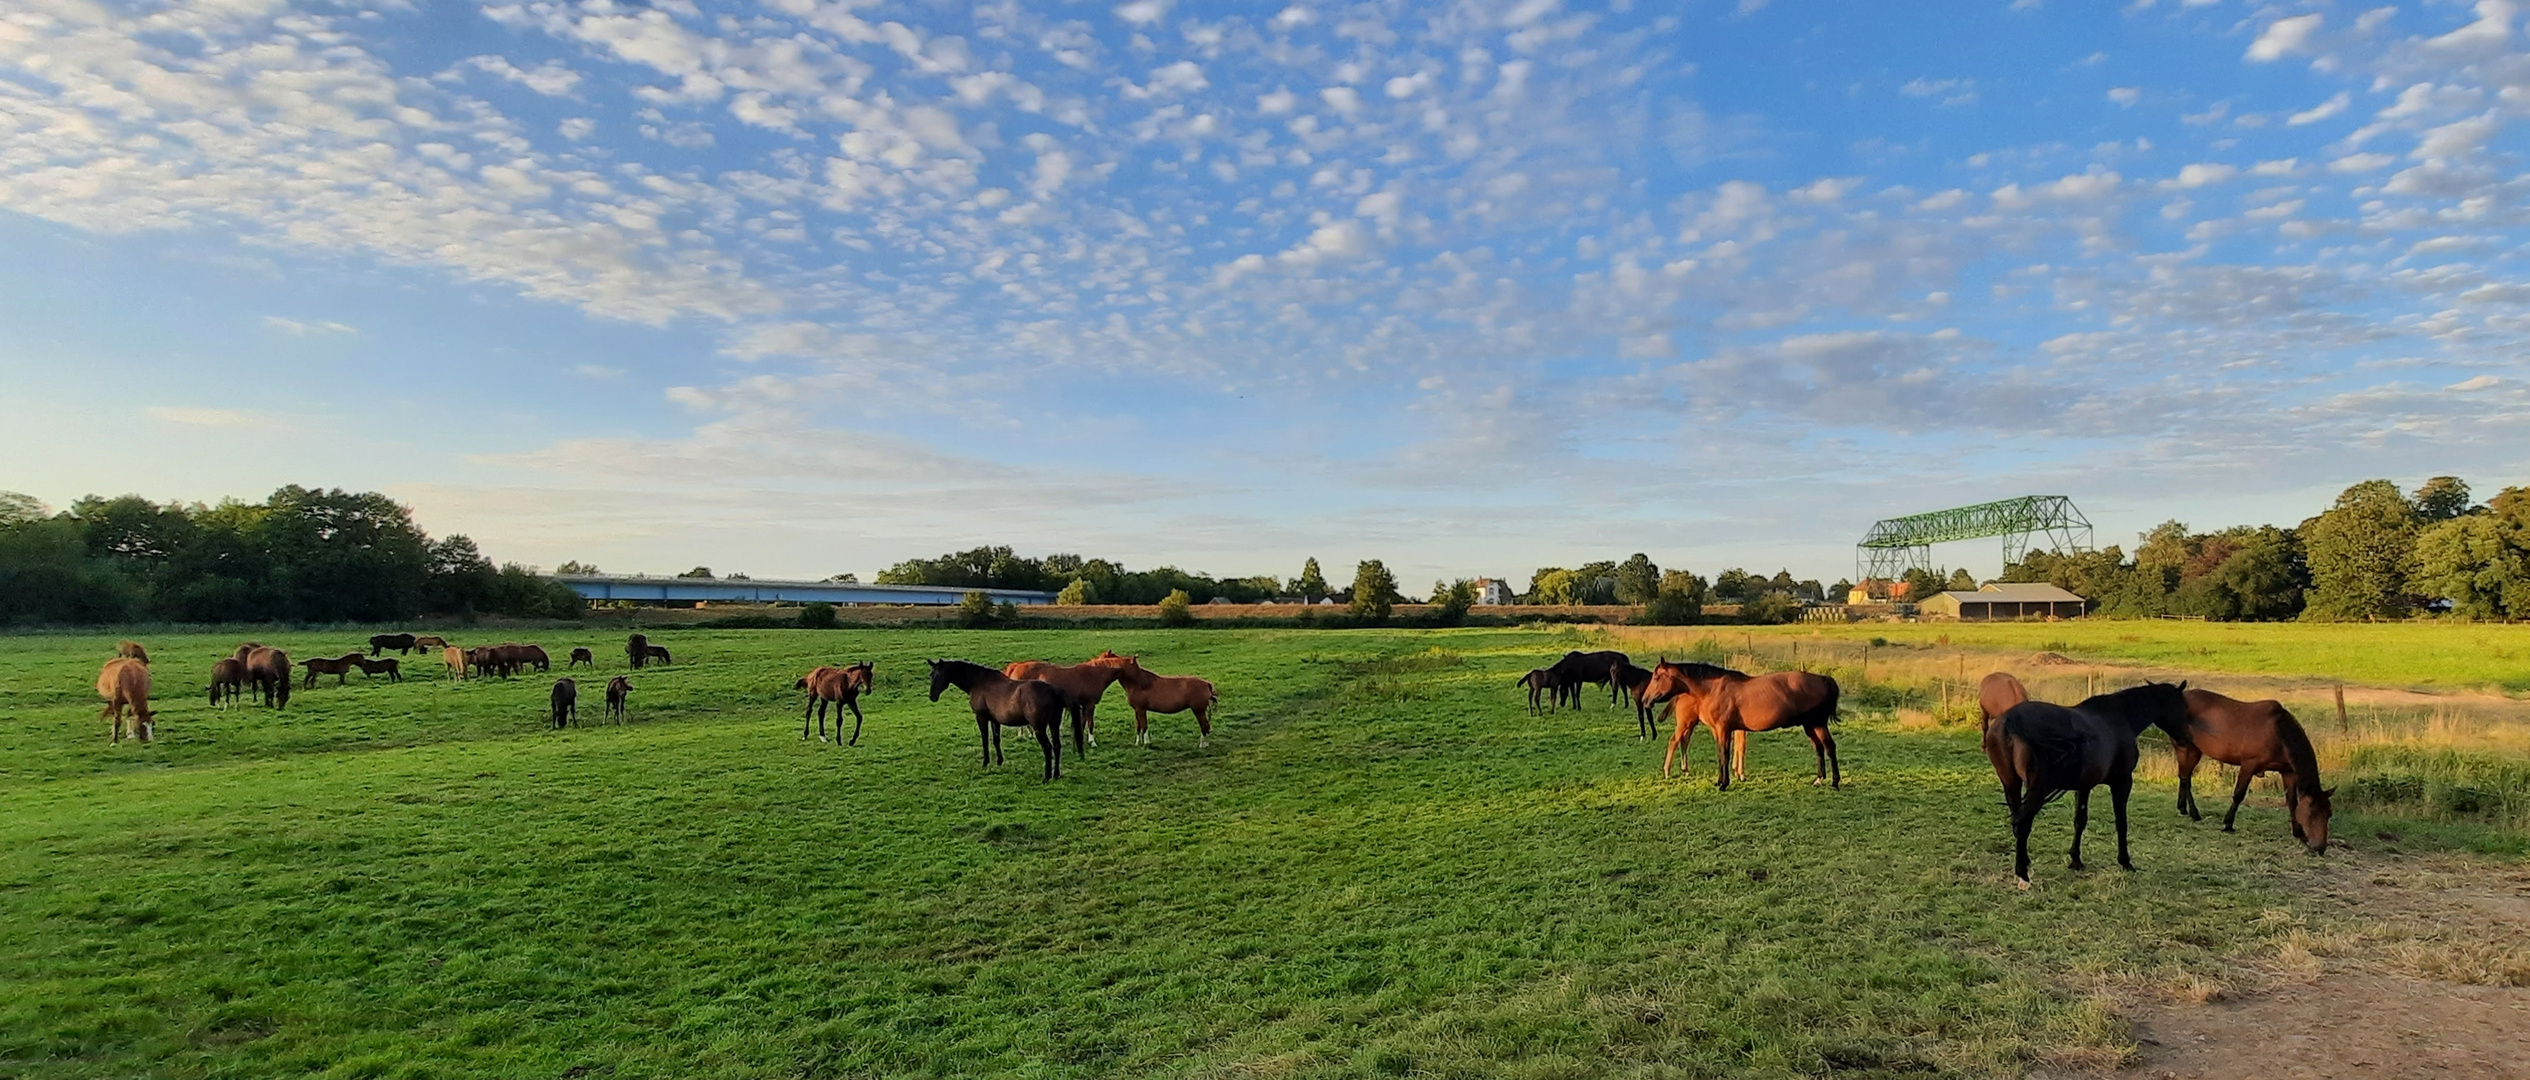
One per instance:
(2239, 794)
(1203, 725)
(2118, 787)
(1835, 765)
(1677, 740)
(1739, 754)
(998, 757)
(984, 738)
(2081, 820)
(1722, 757)
(2187, 758)
(1818, 745)
(1050, 740)
(803, 715)
(855, 702)
(1141, 726)
(2023, 816)
(1080, 730)
(1089, 716)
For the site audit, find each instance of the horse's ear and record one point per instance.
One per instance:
(2182, 684)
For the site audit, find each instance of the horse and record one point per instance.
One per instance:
(2257, 736)
(124, 683)
(128, 649)
(566, 703)
(337, 666)
(1082, 686)
(245, 651)
(228, 679)
(481, 660)
(455, 660)
(618, 691)
(581, 656)
(1543, 680)
(1578, 667)
(1150, 693)
(1997, 693)
(1000, 701)
(1733, 703)
(2041, 750)
(430, 641)
(401, 643)
(522, 655)
(268, 671)
(843, 687)
(640, 651)
(1631, 681)
(392, 666)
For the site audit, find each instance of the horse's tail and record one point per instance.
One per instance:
(2043, 750)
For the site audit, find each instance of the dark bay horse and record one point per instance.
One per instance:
(566, 703)
(618, 692)
(640, 651)
(1000, 701)
(840, 686)
(1545, 681)
(401, 643)
(1734, 703)
(1631, 681)
(2041, 750)
(2257, 736)
(1579, 667)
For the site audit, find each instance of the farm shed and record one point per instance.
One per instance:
(2004, 601)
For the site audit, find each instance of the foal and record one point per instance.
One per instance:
(840, 686)
(2040, 751)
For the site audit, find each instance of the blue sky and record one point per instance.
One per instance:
(804, 286)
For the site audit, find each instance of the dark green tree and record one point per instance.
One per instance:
(1311, 585)
(2441, 499)
(2359, 551)
(2480, 562)
(1637, 580)
(1374, 591)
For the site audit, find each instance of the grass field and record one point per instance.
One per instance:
(1382, 867)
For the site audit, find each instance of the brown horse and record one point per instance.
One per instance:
(268, 672)
(2040, 750)
(1082, 686)
(124, 683)
(245, 651)
(455, 660)
(566, 703)
(228, 679)
(1733, 703)
(840, 686)
(2257, 736)
(337, 666)
(430, 641)
(1149, 693)
(128, 649)
(1997, 693)
(581, 656)
(1000, 701)
(618, 693)
(1545, 681)
(393, 667)
(640, 651)
(401, 643)
(1631, 681)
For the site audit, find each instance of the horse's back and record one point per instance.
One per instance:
(123, 679)
(1784, 697)
(1998, 692)
(2231, 730)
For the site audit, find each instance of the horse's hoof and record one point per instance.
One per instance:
(2021, 883)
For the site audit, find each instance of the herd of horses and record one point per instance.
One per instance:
(2039, 750)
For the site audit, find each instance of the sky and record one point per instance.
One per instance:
(800, 287)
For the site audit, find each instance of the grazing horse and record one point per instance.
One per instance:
(337, 666)
(1733, 704)
(124, 683)
(268, 671)
(1631, 681)
(1578, 667)
(392, 666)
(566, 703)
(618, 692)
(840, 686)
(128, 649)
(640, 651)
(2040, 751)
(228, 679)
(430, 641)
(455, 660)
(1149, 693)
(401, 643)
(1544, 681)
(1000, 701)
(1082, 686)
(245, 651)
(581, 656)
(2257, 736)
(1997, 693)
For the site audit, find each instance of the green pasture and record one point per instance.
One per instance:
(1382, 867)
(2426, 654)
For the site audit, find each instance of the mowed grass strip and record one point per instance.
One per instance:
(1383, 866)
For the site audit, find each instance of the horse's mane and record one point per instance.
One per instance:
(1697, 669)
(2129, 701)
(2297, 748)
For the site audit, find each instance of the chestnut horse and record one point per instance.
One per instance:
(1997, 693)
(2257, 736)
(1082, 686)
(840, 686)
(228, 679)
(1149, 693)
(124, 683)
(131, 650)
(430, 641)
(2040, 750)
(455, 660)
(618, 694)
(268, 671)
(1000, 701)
(1733, 703)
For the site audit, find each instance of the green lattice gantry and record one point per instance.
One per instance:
(1896, 545)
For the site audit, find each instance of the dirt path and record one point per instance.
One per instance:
(2417, 966)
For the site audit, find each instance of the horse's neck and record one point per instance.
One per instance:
(2297, 749)
(969, 676)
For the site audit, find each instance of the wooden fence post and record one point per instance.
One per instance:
(2341, 707)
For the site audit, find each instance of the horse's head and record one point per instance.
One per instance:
(802, 684)
(939, 678)
(862, 675)
(2310, 819)
(1668, 681)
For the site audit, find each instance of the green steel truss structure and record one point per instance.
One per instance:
(1899, 544)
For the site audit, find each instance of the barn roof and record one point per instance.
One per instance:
(2022, 592)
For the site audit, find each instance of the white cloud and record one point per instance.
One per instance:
(1143, 12)
(2283, 37)
(550, 78)
(2322, 111)
(2491, 29)
(2125, 95)
(297, 328)
(2201, 174)
(2354, 163)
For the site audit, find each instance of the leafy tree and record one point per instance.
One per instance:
(1771, 607)
(1962, 581)
(1678, 602)
(1734, 586)
(1594, 582)
(1451, 600)
(1177, 609)
(1921, 584)
(975, 609)
(1075, 594)
(845, 578)
(1374, 591)
(1311, 585)
(2359, 551)
(17, 508)
(1637, 580)
(697, 572)
(1554, 585)
(2442, 499)
(2164, 553)
(1838, 592)
(817, 616)
(576, 568)
(2480, 562)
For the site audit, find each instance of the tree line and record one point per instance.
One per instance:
(301, 555)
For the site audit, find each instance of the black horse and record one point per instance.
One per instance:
(1578, 667)
(1634, 684)
(1001, 701)
(2040, 751)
